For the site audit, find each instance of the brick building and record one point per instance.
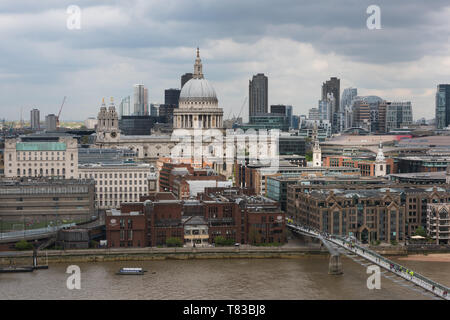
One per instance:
(186, 181)
(369, 213)
(227, 212)
(126, 227)
(438, 222)
(366, 166)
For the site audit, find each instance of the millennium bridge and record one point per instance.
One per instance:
(396, 272)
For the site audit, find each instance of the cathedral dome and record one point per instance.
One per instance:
(198, 90)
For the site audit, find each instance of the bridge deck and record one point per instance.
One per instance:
(399, 270)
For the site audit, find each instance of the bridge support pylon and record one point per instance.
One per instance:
(335, 265)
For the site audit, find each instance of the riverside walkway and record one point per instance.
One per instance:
(33, 233)
(419, 280)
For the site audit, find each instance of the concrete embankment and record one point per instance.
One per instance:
(141, 254)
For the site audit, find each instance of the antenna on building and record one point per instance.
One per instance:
(21, 119)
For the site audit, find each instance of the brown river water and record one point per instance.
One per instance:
(300, 278)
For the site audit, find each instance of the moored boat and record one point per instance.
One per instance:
(13, 269)
(131, 271)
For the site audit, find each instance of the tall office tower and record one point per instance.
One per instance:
(361, 114)
(145, 101)
(185, 78)
(442, 106)
(331, 106)
(138, 100)
(284, 110)
(258, 95)
(35, 119)
(313, 114)
(171, 96)
(295, 122)
(398, 114)
(154, 109)
(323, 109)
(347, 96)
(345, 107)
(326, 107)
(333, 86)
(382, 117)
(50, 122)
(124, 107)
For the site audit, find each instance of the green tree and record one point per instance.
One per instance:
(253, 236)
(174, 242)
(23, 245)
(309, 156)
(420, 231)
(222, 241)
(85, 139)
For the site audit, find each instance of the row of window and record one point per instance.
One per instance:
(41, 165)
(41, 172)
(100, 189)
(116, 175)
(41, 158)
(124, 182)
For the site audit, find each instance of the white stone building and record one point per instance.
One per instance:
(41, 155)
(198, 104)
(116, 183)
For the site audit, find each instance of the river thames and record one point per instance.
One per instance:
(299, 278)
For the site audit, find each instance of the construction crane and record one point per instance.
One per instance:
(59, 113)
(239, 112)
(242, 107)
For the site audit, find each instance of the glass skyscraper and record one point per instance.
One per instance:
(442, 106)
(258, 95)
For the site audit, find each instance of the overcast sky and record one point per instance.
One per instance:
(297, 44)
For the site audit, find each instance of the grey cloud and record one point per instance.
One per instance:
(410, 31)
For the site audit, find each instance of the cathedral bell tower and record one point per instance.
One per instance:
(108, 124)
(380, 163)
(317, 152)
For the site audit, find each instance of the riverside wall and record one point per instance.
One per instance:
(143, 254)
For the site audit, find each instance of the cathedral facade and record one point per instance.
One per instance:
(198, 113)
(198, 135)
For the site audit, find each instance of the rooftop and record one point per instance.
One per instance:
(116, 212)
(372, 193)
(113, 165)
(42, 181)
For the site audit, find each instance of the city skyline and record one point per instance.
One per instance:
(406, 59)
